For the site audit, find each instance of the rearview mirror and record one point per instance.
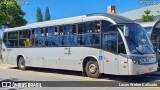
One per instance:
(126, 31)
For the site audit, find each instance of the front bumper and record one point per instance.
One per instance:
(136, 69)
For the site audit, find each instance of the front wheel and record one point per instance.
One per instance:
(21, 63)
(92, 69)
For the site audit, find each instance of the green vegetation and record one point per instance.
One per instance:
(47, 14)
(39, 15)
(147, 17)
(11, 14)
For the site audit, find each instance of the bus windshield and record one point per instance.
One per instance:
(138, 41)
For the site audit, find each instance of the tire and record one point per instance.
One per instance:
(92, 69)
(21, 64)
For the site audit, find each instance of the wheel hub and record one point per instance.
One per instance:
(92, 68)
(22, 63)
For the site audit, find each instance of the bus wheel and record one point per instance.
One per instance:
(92, 69)
(21, 63)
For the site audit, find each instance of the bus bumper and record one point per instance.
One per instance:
(143, 69)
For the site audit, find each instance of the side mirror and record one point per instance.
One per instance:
(126, 31)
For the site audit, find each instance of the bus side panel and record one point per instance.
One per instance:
(78, 54)
(123, 65)
(4, 53)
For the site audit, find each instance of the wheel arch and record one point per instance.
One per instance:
(88, 58)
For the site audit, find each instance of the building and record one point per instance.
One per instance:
(112, 10)
(136, 14)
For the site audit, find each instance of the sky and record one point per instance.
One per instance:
(69, 8)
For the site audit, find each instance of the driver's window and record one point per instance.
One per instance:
(110, 42)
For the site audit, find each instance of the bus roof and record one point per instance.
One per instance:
(71, 20)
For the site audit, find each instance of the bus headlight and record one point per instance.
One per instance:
(135, 61)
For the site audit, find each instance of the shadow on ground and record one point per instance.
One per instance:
(134, 79)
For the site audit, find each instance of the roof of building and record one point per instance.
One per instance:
(137, 13)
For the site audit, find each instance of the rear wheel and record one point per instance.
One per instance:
(92, 69)
(21, 63)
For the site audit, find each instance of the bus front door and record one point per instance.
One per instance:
(110, 43)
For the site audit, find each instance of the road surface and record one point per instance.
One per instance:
(71, 78)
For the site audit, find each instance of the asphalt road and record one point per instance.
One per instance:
(11, 73)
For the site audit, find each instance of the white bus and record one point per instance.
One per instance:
(153, 30)
(93, 44)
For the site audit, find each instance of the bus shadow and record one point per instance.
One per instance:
(133, 79)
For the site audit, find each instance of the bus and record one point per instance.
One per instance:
(94, 44)
(153, 30)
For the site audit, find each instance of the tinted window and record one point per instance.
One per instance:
(38, 35)
(148, 30)
(50, 38)
(105, 26)
(24, 38)
(5, 38)
(69, 37)
(12, 39)
(89, 33)
(113, 38)
(110, 42)
(121, 47)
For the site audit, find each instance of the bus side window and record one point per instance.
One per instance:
(13, 39)
(24, 38)
(105, 26)
(5, 39)
(90, 33)
(110, 42)
(69, 39)
(50, 36)
(39, 33)
(80, 33)
(61, 30)
(121, 47)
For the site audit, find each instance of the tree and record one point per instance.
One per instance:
(11, 14)
(147, 17)
(47, 14)
(39, 15)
